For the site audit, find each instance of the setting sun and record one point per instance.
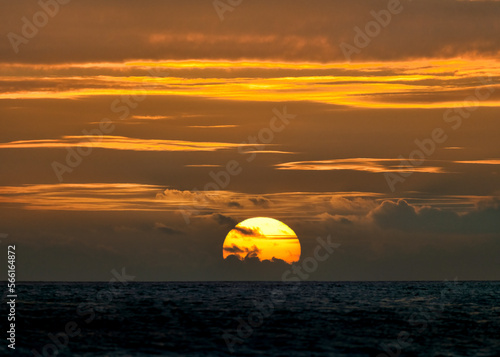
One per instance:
(263, 238)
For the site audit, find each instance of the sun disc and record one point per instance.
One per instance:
(263, 238)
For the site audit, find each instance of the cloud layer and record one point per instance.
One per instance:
(95, 31)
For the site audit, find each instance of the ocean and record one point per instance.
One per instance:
(383, 319)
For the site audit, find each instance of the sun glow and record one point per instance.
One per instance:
(262, 238)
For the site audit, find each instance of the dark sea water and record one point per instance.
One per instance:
(257, 319)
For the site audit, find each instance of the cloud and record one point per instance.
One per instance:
(480, 162)
(151, 117)
(179, 195)
(233, 249)
(369, 250)
(238, 268)
(358, 164)
(405, 217)
(83, 197)
(212, 126)
(260, 201)
(121, 143)
(201, 201)
(249, 252)
(404, 84)
(234, 204)
(203, 208)
(224, 220)
(248, 232)
(94, 31)
(351, 205)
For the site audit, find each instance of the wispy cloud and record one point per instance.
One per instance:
(357, 164)
(212, 126)
(82, 197)
(415, 84)
(315, 37)
(480, 162)
(151, 117)
(122, 143)
(234, 206)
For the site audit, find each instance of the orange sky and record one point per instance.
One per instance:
(111, 135)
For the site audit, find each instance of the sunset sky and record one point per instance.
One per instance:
(137, 134)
